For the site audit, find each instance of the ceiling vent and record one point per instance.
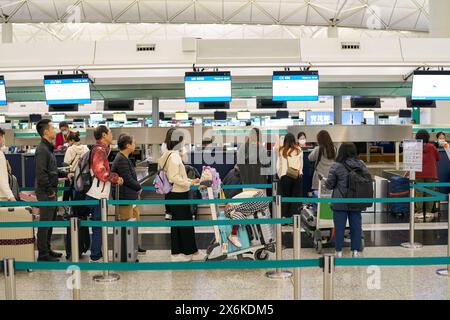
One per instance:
(145, 47)
(350, 46)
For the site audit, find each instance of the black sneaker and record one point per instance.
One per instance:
(55, 254)
(48, 259)
(141, 251)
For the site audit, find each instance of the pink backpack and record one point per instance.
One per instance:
(210, 177)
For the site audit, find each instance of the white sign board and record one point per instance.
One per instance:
(413, 155)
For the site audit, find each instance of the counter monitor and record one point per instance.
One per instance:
(243, 115)
(119, 117)
(295, 85)
(207, 86)
(181, 116)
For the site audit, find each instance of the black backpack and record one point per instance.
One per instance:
(360, 185)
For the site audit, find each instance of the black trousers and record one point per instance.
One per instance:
(182, 238)
(44, 235)
(290, 188)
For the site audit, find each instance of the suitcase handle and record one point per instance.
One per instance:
(116, 209)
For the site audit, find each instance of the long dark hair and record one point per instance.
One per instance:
(74, 136)
(290, 145)
(347, 151)
(170, 141)
(326, 145)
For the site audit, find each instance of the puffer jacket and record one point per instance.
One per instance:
(338, 181)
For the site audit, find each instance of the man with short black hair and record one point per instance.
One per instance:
(47, 175)
(101, 184)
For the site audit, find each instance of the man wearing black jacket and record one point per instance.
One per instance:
(47, 175)
(131, 189)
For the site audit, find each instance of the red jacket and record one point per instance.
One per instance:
(430, 159)
(100, 164)
(60, 140)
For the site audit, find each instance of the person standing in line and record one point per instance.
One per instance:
(75, 151)
(183, 243)
(47, 175)
(101, 184)
(323, 157)
(290, 172)
(428, 174)
(6, 194)
(347, 159)
(131, 189)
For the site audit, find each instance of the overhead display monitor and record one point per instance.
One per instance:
(213, 105)
(319, 118)
(220, 115)
(120, 117)
(35, 118)
(282, 114)
(295, 86)
(421, 104)
(365, 103)
(268, 103)
(57, 118)
(207, 86)
(352, 118)
(181, 116)
(2, 91)
(431, 85)
(67, 89)
(243, 115)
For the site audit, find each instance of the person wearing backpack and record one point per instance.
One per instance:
(349, 178)
(6, 192)
(131, 189)
(101, 184)
(183, 244)
(75, 150)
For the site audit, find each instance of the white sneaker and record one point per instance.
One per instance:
(356, 254)
(338, 254)
(181, 258)
(198, 256)
(235, 240)
(168, 216)
(96, 261)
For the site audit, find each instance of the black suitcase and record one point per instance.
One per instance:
(84, 237)
(125, 240)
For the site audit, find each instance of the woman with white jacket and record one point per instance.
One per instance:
(183, 244)
(6, 193)
(290, 172)
(75, 151)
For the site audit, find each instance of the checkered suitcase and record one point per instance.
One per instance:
(17, 243)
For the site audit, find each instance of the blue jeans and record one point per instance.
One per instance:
(340, 222)
(96, 240)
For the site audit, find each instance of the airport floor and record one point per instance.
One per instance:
(395, 283)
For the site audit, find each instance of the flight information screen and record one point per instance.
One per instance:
(207, 86)
(67, 89)
(431, 85)
(295, 86)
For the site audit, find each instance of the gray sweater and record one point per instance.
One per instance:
(323, 166)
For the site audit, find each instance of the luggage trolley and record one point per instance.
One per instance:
(257, 240)
(317, 220)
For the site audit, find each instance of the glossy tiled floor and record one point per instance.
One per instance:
(399, 283)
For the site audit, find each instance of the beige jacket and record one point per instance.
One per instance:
(175, 171)
(295, 161)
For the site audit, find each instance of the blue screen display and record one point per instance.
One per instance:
(319, 118)
(67, 91)
(292, 86)
(2, 93)
(207, 88)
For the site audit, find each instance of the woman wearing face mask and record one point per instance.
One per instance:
(441, 141)
(301, 137)
(61, 141)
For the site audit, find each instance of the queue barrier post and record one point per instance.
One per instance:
(106, 276)
(297, 249)
(278, 273)
(328, 273)
(412, 244)
(75, 253)
(446, 271)
(10, 284)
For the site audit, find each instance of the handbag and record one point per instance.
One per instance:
(292, 172)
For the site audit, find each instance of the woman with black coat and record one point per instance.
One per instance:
(131, 189)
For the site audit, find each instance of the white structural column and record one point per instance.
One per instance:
(440, 28)
(439, 18)
(7, 32)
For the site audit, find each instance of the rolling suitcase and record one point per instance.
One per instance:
(265, 232)
(125, 239)
(17, 243)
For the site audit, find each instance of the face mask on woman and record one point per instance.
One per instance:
(302, 142)
(442, 142)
